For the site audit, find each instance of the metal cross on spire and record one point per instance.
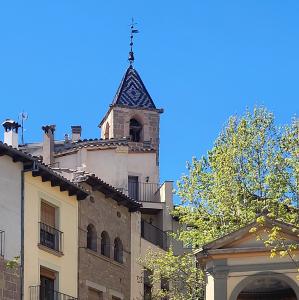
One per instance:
(131, 53)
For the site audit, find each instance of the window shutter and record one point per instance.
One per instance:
(47, 214)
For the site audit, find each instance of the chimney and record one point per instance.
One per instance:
(76, 133)
(11, 129)
(48, 144)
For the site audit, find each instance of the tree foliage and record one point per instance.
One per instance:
(252, 169)
(184, 278)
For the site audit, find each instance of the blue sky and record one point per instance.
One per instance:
(62, 60)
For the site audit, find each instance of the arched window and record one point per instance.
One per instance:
(107, 128)
(118, 250)
(105, 244)
(135, 130)
(91, 237)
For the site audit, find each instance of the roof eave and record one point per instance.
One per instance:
(32, 164)
(111, 192)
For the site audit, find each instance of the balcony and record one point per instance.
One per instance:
(2, 240)
(143, 191)
(39, 292)
(50, 237)
(154, 235)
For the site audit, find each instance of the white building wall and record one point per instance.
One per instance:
(10, 205)
(113, 165)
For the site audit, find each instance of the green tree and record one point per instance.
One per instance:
(252, 168)
(185, 280)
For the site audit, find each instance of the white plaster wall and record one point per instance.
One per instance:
(143, 165)
(103, 127)
(109, 165)
(67, 161)
(10, 205)
(113, 165)
(210, 288)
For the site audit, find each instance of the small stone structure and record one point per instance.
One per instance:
(9, 282)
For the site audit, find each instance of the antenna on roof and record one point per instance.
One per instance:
(23, 116)
(131, 53)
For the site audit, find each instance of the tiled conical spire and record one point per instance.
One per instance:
(132, 92)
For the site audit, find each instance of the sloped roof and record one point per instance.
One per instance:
(110, 191)
(63, 149)
(33, 164)
(132, 92)
(230, 238)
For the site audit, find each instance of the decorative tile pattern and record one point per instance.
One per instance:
(132, 91)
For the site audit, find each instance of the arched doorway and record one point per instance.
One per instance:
(266, 287)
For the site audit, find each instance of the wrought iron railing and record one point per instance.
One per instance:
(50, 237)
(39, 292)
(143, 191)
(154, 235)
(2, 242)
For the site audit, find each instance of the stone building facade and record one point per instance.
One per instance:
(126, 156)
(104, 221)
(9, 281)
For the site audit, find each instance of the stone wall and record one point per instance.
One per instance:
(9, 282)
(119, 119)
(98, 272)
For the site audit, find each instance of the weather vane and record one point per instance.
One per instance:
(131, 53)
(23, 116)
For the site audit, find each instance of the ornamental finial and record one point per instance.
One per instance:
(131, 53)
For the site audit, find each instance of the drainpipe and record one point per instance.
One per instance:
(22, 233)
(33, 167)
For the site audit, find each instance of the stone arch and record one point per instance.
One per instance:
(118, 250)
(105, 244)
(91, 240)
(136, 128)
(246, 281)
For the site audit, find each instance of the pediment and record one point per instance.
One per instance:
(244, 238)
(256, 240)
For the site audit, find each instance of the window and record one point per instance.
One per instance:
(107, 128)
(94, 295)
(105, 244)
(47, 284)
(48, 214)
(147, 285)
(118, 250)
(50, 236)
(133, 187)
(91, 238)
(135, 130)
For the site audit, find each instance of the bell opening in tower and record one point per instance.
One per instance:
(135, 130)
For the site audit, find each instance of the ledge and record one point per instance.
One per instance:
(49, 250)
(107, 259)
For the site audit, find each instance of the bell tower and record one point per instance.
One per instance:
(132, 114)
